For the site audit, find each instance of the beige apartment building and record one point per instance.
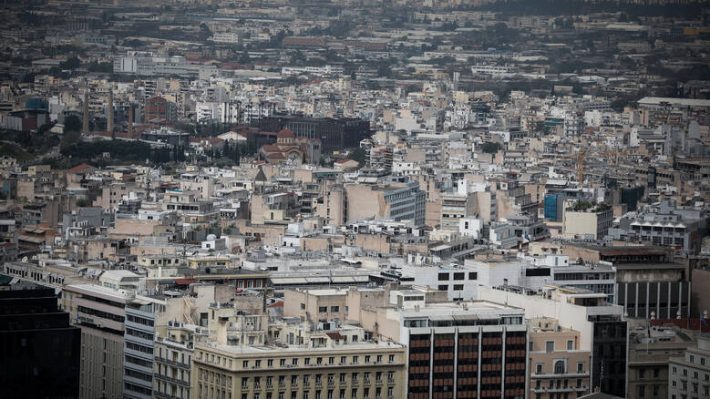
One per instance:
(591, 223)
(316, 304)
(557, 367)
(248, 357)
(172, 367)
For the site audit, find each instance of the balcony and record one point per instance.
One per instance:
(560, 389)
(171, 380)
(172, 362)
(561, 375)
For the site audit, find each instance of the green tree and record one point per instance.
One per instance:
(71, 63)
(72, 123)
(490, 147)
(359, 155)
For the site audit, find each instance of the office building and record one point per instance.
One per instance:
(41, 350)
(100, 312)
(470, 349)
(250, 358)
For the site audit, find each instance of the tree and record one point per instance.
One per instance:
(359, 155)
(72, 62)
(490, 147)
(72, 123)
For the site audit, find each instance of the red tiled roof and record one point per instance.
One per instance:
(81, 168)
(286, 134)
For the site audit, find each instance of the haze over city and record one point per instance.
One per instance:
(366, 199)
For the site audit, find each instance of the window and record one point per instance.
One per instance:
(549, 346)
(473, 276)
(443, 276)
(245, 364)
(580, 368)
(322, 309)
(538, 368)
(459, 276)
(560, 367)
(270, 363)
(443, 287)
(458, 287)
(570, 345)
(307, 361)
(303, 306)
(335, 308)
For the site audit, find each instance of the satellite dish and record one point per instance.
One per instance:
(24, 259)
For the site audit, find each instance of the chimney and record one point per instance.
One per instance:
(130, 119)
(109, 116)
(85, 116)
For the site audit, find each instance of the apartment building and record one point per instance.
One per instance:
(649, 350)
(172, 361)
(396, 201)
(557, 366)
(689, 376)
(454, 208)
(141, 319)
(316, 305)
(591, 222)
